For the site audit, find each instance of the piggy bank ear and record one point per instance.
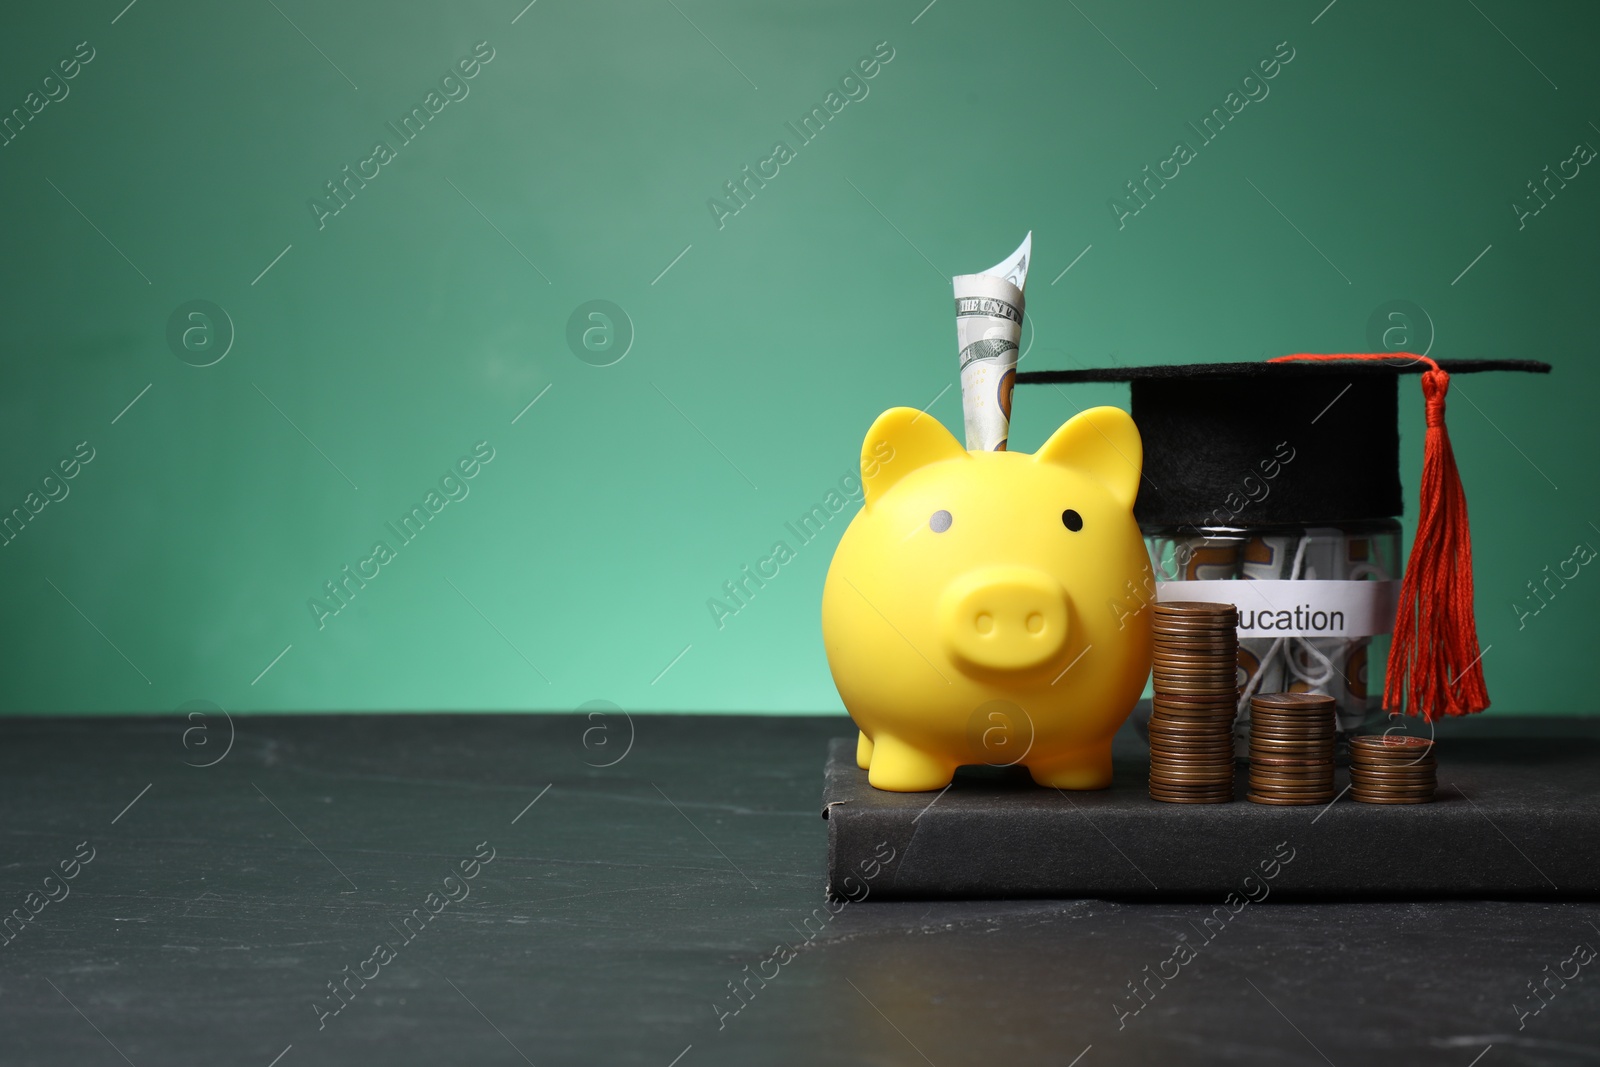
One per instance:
(902, 440)
(1102, 443)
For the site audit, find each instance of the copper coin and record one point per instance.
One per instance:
(1398, 790)
(1202, 790)
(1196, 779)
(1291, 774)
(1371, 786)
(1320, 721)
(1224, 668)
(1320, 731)
(1168, 760)
(1290, 744)
(1192, 746)
(1392, 800)
(1386, 744)
(1220, 798)
(1221, 630)
(1220, 686)
(1289, 763)
(1290, 786)
(1188, 714)
(1194, 714)
(1308, 729)
(1290, 714)
(1257, 798)
(1290, 789)
(1387, 781)
(1293, 700)
(1166, 765)
(1399, 758)
(1188, 787)
(1160, 762)
(1279, 756)
(1408, 774)
(1317, 723)
(1190, 608)
(1360, 759)
(1169, 703)
(1399, 770)
(1226, 672)
(1200, 733)
(1184, 698)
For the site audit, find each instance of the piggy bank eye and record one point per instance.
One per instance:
(1072, 520)
(939, 521)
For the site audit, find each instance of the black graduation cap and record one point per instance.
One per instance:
(1208, 426)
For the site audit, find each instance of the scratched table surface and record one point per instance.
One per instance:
(432, 889)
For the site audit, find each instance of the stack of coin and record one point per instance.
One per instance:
(1191, 716)
(1291, 748)
(1392, 769)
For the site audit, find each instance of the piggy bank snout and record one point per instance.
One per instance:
(1004, 618)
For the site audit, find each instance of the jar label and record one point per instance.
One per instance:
(1280, 608)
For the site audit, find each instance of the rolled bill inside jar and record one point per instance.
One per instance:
(988, 328)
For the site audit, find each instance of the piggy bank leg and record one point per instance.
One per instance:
(864, 751)
(1085, 767)
(899, 767)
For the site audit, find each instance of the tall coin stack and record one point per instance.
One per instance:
(1291, 748)
(1196, 686)
(1392, 769)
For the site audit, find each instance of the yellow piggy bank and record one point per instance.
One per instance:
(983, 607)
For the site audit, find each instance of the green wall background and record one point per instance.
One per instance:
(433, 308)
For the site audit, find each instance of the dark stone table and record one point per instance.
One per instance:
(510, 900)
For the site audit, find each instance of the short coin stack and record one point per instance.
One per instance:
(1392, 769)
(1291, 748)
(1191, 717)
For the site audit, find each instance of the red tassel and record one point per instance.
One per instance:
(1434, 664)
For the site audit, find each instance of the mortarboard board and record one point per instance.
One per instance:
(1204, 426)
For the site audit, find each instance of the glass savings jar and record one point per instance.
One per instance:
(1316, 603)
(1275, 487)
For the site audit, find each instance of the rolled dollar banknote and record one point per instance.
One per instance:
(988, 329)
